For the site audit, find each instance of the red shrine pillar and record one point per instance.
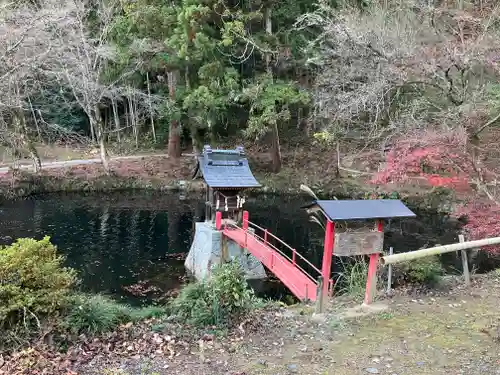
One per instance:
(245, 220)
(218, 220)
(326, 268)
(371, 280)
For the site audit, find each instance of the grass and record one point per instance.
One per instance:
(443, 334)
(438, 336)
(93, 314)
(352, 280)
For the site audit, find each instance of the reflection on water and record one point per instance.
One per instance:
(114, 241)
(127, 245)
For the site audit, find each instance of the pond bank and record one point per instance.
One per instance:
(155, 173)
(159, 173)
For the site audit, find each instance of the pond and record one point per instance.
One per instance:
(132, 245)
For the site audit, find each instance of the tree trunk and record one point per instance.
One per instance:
(25, 140)
(151, 108)
(92, 131)
(275, 149)
(126, 115)
(37, 163)
(174, 136)
(35, 120)
(275, 142)
(195, 141)
(117, 119)
(133, 118)
(104, 154)
(101, 138)
(136, 122)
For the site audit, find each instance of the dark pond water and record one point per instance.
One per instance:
(131, 245)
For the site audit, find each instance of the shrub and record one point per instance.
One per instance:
(33, 282)
(92, 314)
(217, 301)
(425, 271)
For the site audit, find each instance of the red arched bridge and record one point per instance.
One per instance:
(305, 280)
(292, 268)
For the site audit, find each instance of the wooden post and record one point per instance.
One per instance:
(218, 220)
(389, 273)
(225, 251)
(319, 296)
(326, 268)
(371, 280)
(465, 264)
(207, 204)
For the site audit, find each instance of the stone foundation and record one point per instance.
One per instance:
(210, 249)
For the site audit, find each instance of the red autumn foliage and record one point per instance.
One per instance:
(483, 219)
(443, 160)
(439, 159)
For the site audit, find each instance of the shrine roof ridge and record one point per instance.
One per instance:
(225, 168)
(362, 209)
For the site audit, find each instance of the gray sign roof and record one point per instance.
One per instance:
(361, 209)
(226, 168)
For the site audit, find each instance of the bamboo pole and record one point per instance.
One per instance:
(405, 257)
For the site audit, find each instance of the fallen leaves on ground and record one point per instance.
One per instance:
(153, 338)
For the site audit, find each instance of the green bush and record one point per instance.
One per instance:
(92, 314)
(33, 282)
(218, 301)
(426, 271)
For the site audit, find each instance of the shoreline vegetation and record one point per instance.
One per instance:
(155, 173)
(159, 173)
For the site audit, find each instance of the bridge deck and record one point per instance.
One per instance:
(300, 284)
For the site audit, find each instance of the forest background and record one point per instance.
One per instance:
(390, 91)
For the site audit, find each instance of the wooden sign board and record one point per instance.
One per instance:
(360, 243)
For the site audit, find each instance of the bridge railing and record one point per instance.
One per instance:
(295, 257)
(290, 254)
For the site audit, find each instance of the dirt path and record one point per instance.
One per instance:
(68, 163)
(454, 333)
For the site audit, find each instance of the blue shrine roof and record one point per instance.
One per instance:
(361, 209)
(226, 168)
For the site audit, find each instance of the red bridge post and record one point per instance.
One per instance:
(326, 268)
(218, 220)
(245, 227)
(371, 280)
(245, 220)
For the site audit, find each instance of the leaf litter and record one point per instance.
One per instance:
(454, 331)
